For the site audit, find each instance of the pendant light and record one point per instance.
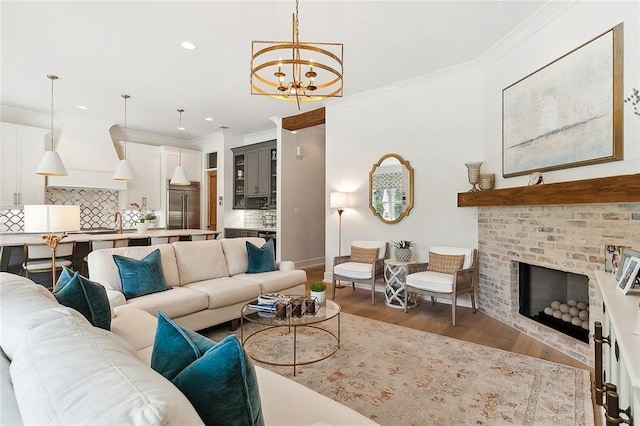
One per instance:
(124, 171)
(51, 164)
(179, 175)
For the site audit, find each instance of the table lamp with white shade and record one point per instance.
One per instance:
(51, 219)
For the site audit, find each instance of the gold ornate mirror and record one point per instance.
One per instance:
(391, 188)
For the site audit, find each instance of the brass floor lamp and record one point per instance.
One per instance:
(339, 200)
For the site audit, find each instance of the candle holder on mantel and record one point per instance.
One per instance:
(473, 172)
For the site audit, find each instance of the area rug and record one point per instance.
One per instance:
(401, 376)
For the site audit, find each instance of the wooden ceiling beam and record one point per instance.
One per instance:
(306, 119)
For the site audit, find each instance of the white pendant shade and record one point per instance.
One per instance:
(124, 171)
(179, 177)
(51, 165)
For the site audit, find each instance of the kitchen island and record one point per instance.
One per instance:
(15, 240)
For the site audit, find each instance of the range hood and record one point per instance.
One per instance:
(87, 151)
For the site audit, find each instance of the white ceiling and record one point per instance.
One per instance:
(103, 49)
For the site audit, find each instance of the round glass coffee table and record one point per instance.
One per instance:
(268, 324)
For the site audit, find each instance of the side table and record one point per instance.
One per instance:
(395, 292)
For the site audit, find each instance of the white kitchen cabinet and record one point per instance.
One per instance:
(191, 162)
(146, 189)
(617, 354)
(21, 149)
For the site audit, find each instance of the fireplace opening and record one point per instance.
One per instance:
(557, 299)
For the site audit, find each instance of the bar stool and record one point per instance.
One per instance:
(102, 244)
(37, 258)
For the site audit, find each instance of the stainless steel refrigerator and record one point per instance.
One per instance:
(183, 206)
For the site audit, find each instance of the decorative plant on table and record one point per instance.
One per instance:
(402, 250)
(144, 218)
(318, 291)
(634, 99)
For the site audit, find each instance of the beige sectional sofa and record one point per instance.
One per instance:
(56, 368)
(209, 280)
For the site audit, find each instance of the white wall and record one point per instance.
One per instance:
(439, 122)
(435, 123)
(542, 43)
(301, 196)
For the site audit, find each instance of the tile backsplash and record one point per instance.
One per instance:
(97, 209)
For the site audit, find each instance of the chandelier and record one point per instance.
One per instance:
(296, 71)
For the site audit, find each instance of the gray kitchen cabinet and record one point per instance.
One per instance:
(254, 176)
(239, 233)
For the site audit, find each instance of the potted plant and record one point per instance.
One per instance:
(402, 250)
(318, 291)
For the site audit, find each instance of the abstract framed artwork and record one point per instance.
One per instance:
(567, 113)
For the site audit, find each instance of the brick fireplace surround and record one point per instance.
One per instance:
(569, 237)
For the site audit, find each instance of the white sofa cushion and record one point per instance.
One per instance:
(227, 291)
(360, 271)
(287, 402)
(68, 372)
(235, 252)
(200, 260)
(276, 281)
(430, 280)
(177, 302)
(136, 327)
(103, 270)
(24, 305)
(9, 414)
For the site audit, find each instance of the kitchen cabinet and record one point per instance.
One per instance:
(146, 189)
(617, 345)
(21, 149)
(191, 162)
(255, 176)
(239, 233)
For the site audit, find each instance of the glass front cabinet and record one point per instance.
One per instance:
(255, 176)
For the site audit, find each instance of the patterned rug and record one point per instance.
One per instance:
(401, 376)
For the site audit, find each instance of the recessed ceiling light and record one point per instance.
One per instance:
(209, 119)
(181, 128)
(82, 107)
(188, 45)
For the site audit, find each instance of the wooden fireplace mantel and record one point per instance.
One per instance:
(611, 189)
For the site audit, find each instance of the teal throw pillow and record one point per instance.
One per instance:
(219, 379)
(87, 297)
(140, 277)
(261, 259)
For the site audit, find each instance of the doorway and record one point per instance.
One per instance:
(212, 222)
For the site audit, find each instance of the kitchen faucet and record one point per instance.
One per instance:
(118, 220)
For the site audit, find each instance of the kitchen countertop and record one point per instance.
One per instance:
(249, 228)
(20, 238)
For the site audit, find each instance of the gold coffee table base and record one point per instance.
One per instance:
(330, 311)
